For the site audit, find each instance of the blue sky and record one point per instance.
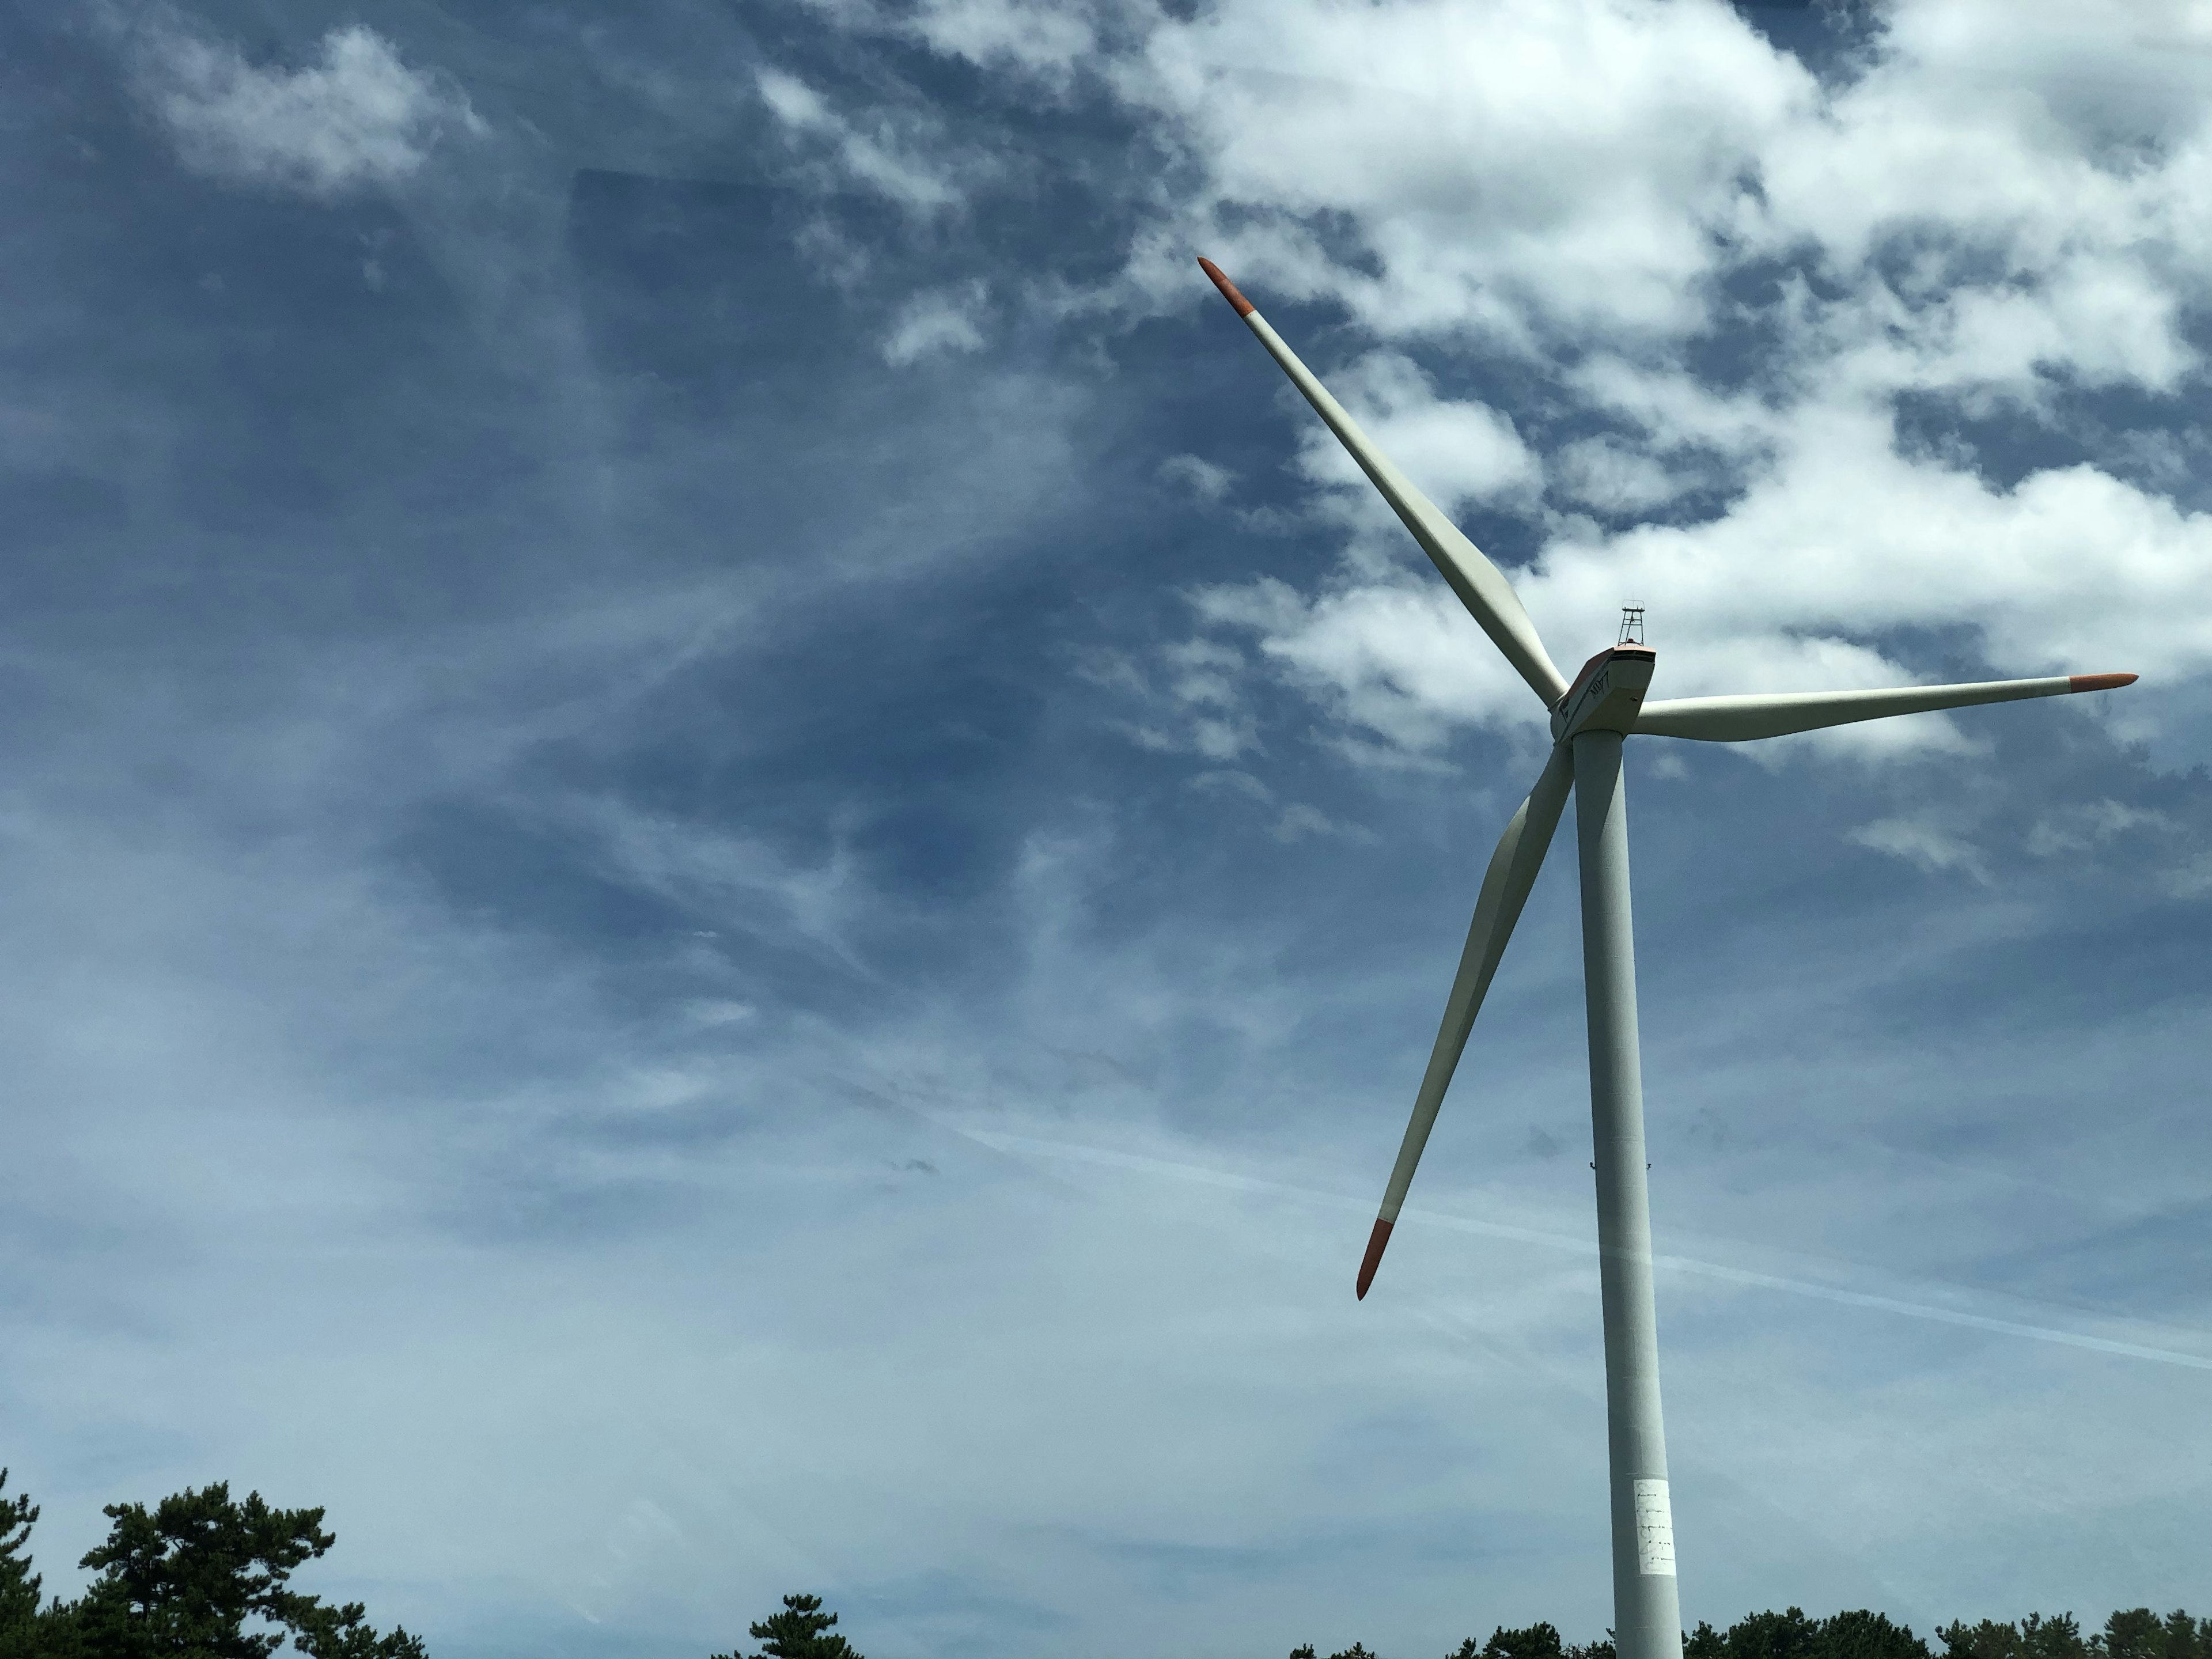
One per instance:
(731, 852)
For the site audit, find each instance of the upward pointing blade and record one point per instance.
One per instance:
(1506, 887)
(1481, 587)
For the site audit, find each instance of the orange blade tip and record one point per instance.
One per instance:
(2097, 682)
(1373, 1259)
(1244, 307)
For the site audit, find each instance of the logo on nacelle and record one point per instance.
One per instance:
(1607, 694)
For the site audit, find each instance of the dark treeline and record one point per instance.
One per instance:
(203, 1575)
(2138, 1634)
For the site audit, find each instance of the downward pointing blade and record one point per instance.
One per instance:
(1506, 887)
(1481, 587)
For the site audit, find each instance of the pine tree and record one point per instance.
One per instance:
(2034, 1638)
(19, 1585)
(2187, 1637)
(2134, 1634)
(1785, 1635)
(1864, 1634)
(185, 1577)
(1538, 1641)
(801, 1631)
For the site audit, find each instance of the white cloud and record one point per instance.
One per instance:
(2148, 838)
(1456, 451)
(1501, 165)
(1223, 739)
(1845, 543)
(1402, 661)
(1197, 705)
(1985, 210)
(1841, 543)
(940, 320)
(887, 153)
(2082, 829)
(358, 116)
(1203, 673)
(1923, 843)
(1300, 821)
(1231, 781)
(1613, 477)
(1046, 40)
(1201, 478)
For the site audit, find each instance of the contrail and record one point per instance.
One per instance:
(1201, 1175)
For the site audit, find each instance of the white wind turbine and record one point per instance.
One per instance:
(1591, 715)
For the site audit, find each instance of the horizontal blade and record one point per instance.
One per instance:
(1481, 587)
(1739, 720)
(1506, 887)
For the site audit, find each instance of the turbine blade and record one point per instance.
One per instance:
(1740, 719)
(1481, 587)
(1506, 887)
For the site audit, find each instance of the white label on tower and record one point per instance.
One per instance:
(1655, 1529)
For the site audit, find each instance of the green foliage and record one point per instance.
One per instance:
(344, 1632)
(2139, 1633)
(1769, 1635)
(184, 1577)
(1860, 1634)
(19, 1585)
(801, 1631)
(197, 1577)
(2131, 1633)
(2034, 1638)
(1538, 1641)
(1865, 1635)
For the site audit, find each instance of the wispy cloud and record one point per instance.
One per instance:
(1923, 844)
(358, 116)
(940, 320)
(883, 152)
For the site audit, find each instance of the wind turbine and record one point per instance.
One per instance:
(1591, 714)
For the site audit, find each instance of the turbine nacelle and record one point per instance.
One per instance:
(1607, 695)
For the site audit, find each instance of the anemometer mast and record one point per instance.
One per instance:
(1591, 717)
